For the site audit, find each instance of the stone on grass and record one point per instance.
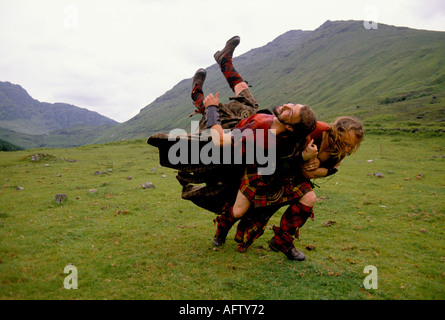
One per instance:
(60, 197)
(329, 223)
(147, 185)
(379, 175)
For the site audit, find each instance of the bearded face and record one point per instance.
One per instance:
(288, 113)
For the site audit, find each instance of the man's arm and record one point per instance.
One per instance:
(311, 169)
(314, 174)
(310, 152)
(219, 138)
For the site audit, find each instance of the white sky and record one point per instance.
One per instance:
(117, 56)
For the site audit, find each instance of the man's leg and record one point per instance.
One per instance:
(225, 222)
(230, 215)
(197, 93)
(252, 226)
(241, 206)
(224, 59)
(292, 220)
(309, 199)
(240, 87)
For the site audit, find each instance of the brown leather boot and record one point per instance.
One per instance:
(198, 79)
(291, 252)
(197, 94)
(231, 44)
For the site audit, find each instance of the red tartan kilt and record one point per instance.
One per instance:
(263, 194)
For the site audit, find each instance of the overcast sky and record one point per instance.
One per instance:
(117, 56)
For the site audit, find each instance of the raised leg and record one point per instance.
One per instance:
(224, 59)
(292, 220)
(197, 94)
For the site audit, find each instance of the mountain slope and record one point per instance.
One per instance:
(7, 146)
(61, 138)
(21, 113)
(390, 77)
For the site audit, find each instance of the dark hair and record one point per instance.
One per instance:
(308, 121)
(301, 129)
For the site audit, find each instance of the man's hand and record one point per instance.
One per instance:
(311, 164)
(310, 151)
(211, 100)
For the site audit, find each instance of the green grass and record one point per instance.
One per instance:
(132, 243)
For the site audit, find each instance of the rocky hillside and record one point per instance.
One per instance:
(21, 113)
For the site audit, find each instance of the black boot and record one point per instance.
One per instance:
(225, 222)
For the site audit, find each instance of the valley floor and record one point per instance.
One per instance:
(126, 242)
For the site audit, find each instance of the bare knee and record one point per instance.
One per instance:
(239, 87)
(238, 212)
(309, 199)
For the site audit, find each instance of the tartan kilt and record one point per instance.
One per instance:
(267, 198)
(265, 191)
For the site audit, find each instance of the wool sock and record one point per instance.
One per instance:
(232, 76)
(198, 98)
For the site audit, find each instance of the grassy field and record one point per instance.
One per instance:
(133, 243)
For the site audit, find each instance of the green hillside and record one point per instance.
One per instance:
(392, 78)
(7, 146)
(61, 138)
(21, 113)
